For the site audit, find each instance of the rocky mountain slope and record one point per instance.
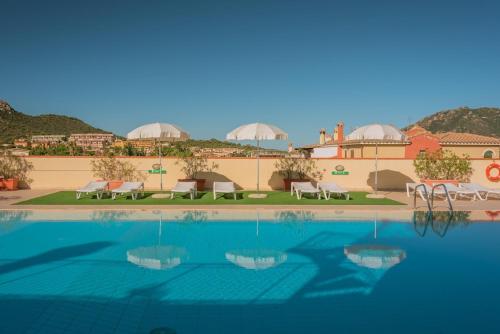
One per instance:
(15, 124)
(482, 121)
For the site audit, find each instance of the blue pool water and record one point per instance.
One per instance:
(287, 275)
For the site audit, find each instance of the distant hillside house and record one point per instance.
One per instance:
(92, 141)
(20, 152)
(147, 145)
(47, 140)
(217, 152)
(408, 145)
(21, 142)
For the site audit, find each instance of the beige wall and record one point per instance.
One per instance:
(368, 151)
(473, 151)
(71, 172)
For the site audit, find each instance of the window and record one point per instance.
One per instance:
(488, 154)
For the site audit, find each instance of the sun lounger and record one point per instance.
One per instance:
(455, 191)
(410, 187)
(224, 188)
(184, 187)
(329, 188)
(97, 187)
(305, 188)
(480, 190)
(452, 189)
(132, 188)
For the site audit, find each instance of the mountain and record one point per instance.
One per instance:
(14, 124)
(482, 121)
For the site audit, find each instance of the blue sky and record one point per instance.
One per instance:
(210, 66)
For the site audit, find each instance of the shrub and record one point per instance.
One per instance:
(286, 167)
(12, 166)
(443, 165)
(192, 166)
(300, 168)
(306, 168)
(110, 168)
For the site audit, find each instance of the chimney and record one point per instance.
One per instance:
(339, 138)
(322, 136)
(339, 130)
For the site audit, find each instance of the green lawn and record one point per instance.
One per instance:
(206, 198)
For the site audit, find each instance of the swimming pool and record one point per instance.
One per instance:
(285, 272)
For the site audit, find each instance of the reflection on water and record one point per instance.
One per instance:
(106, 216)
(193, 216)
(12, 216)
(375, 256)
(439, 221)
(217, 275)
(256, 259)
(289, 216)
(157, 257)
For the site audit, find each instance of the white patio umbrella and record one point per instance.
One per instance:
(257, 132)
(159, 132)
(377, 133)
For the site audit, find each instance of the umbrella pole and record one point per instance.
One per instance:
(258, 158)
(376, 168)
(161, 166)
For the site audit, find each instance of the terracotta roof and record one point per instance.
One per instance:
(465, 139)
(416, 131)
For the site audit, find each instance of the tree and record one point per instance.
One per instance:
(14, 167)
(299, 168)
(443, 165)
(111, 168)
(192, 166)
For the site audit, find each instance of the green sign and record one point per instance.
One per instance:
(157, 171)
(340, 172)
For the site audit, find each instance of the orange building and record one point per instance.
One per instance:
(92, 141)
(421, 141)
(21, 142)
(47, 140)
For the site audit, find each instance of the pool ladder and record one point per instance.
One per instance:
(430, 200)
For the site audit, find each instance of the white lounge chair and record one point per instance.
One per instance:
(224, 188)
(132, 188)
(478, 189)
(456, 191)
(329, 188)
(452, 189)
(305, 188)
(97, 187)
(184, 187)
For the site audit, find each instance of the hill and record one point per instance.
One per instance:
(14, 124)
(482, 121)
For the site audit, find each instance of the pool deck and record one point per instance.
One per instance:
(7, 199)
